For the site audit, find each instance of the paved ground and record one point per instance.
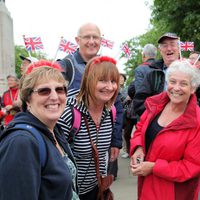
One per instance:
(125, 187)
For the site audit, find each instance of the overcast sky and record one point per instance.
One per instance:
(49, 19)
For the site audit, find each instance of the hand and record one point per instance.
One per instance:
(8, 107)
(17, 103)
(114, 153)
(143, 169)
(138, 156)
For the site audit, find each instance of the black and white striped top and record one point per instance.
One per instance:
(72, 93)
(82, 147)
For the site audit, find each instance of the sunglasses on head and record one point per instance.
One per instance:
(47, 91)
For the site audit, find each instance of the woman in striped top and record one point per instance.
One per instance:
(99, 89)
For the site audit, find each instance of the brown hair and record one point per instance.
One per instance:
(98, 68)
(38, 75)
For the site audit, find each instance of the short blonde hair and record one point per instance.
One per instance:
(37, 73)
(98, 68)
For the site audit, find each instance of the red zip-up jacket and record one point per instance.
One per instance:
(7, 99)
(175, 151)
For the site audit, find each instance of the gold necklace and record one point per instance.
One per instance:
(57, 145)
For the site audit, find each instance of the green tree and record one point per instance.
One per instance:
(180, 16)
(20, 50)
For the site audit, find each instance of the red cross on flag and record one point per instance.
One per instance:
(125, 48)
(67, 46)
(187, 46)
(107, 43)
(33, 43)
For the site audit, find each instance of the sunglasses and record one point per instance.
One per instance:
(47, 91)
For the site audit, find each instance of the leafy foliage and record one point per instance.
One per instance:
(180, 16)
(20, 50)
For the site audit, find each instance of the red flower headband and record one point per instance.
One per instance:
(102, 59)
(43, 63)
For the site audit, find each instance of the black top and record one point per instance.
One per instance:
(152, 131)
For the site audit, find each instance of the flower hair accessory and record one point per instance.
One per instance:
(104, 59)
(43, 63)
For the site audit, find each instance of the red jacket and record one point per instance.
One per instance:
(8, 98)
(175, 151)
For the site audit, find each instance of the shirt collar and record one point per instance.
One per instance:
(79, 58)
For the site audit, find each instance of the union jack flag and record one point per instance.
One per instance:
(33, 43)
(187, 46)
(107, 43)
(67, 46)
(126, 50)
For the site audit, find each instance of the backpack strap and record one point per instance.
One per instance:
(114, 113)
(76, 121)
(76, 118)
(37, 135)
(69, 70)
(145, 63)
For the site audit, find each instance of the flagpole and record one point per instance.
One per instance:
(57, 50)
(117, 56)
(29, 53)
(101, 47)
(179, 45)
(100, 50)
(197, 59)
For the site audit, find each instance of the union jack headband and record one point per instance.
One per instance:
(43, 63)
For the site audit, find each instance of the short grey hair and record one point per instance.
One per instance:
(150, 50)
(185, 67)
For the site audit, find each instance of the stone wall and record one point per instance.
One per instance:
(7, 51)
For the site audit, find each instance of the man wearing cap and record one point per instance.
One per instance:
(25, 62)
(154, 82)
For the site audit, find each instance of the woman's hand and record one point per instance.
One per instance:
(114, 153)
(17, 103)
(138, 166)
(138, 156)
(143, 169)
(8, 107)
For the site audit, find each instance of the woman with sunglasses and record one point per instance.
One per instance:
(22, 176)
(99, 89)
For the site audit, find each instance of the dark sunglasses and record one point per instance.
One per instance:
(47, 91)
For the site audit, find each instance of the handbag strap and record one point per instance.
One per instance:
(96, 158)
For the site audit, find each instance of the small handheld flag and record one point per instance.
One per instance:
(187, 46)
(67, 46)
(107, 43)
(33, 43)
(126, 50)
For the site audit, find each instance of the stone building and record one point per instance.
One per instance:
(7, 50)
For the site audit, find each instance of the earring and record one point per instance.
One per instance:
(29, 108)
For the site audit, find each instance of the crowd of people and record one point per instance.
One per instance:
(64, 123)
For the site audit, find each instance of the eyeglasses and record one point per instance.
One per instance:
(165, 46)
(88, 37)
(47, 91)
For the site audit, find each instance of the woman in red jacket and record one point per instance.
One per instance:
(9, 99)
(165, 148)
